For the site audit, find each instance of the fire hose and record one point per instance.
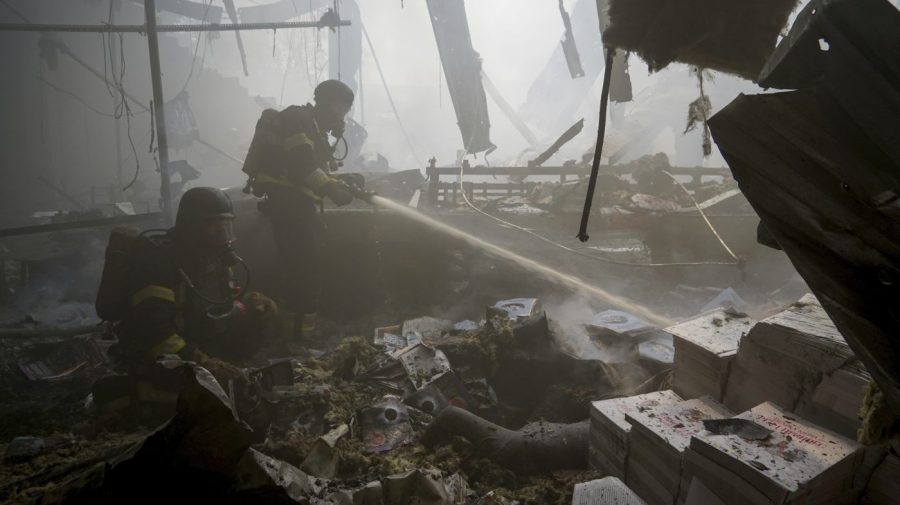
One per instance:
(535, 448)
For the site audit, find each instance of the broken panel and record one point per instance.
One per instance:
(573, 60)
(462, 68)
(821, 167)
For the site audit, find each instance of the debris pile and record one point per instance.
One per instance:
(428, 408)
(500, 409)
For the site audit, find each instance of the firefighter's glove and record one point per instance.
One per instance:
(338, 192)
(222, 370)
(353, 180)
(260, 305)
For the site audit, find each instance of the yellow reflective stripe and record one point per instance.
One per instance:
(308, 323)
(153, 291)
(269, 179)
(263, 179)
(310, 193)
(171, 345)
(294, 141)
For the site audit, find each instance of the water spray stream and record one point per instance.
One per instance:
(529, 264)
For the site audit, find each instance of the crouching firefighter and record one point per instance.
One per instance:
(289, 163)
(174, 296)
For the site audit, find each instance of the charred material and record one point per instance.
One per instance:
(732, 36)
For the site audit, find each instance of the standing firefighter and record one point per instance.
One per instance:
(290, 163)
(172, 293)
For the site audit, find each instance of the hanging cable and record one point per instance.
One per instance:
(74, 97)
(287, 63)
(390, 97)
(601, 134)
(703, 215)
(196, 49)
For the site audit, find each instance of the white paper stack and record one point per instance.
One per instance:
(704, 349)
(799, 360)
(659, 436)
(606, 491)
(836, 400)
(884, 485)
(608, 447)
(798, 463)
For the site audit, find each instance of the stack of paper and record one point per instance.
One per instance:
(704, 349)
(798, 462)
(799, 360)
(608, 448)
(659, 435)
(836, 400)
(606, 491)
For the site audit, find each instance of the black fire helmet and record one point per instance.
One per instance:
(201, 204)
(333, 91)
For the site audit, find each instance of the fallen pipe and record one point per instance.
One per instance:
(536, 448)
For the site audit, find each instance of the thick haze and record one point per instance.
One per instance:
(71, 142)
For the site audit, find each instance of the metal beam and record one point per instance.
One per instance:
(151, 217)
(227, 27)
(159, 107)
(568, 170)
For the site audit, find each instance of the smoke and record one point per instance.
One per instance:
(571, 318)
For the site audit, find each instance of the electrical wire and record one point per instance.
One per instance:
(121, 106)
(387, 90)
(588, 255)
(287, 63)
(74, 97)
(196, 48)
(703, 215)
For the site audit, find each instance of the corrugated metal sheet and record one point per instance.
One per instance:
(821, 166)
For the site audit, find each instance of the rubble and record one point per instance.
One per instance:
(517, 309)
(498, 407)
(22, 449)
(64, 359)
(385, 426)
